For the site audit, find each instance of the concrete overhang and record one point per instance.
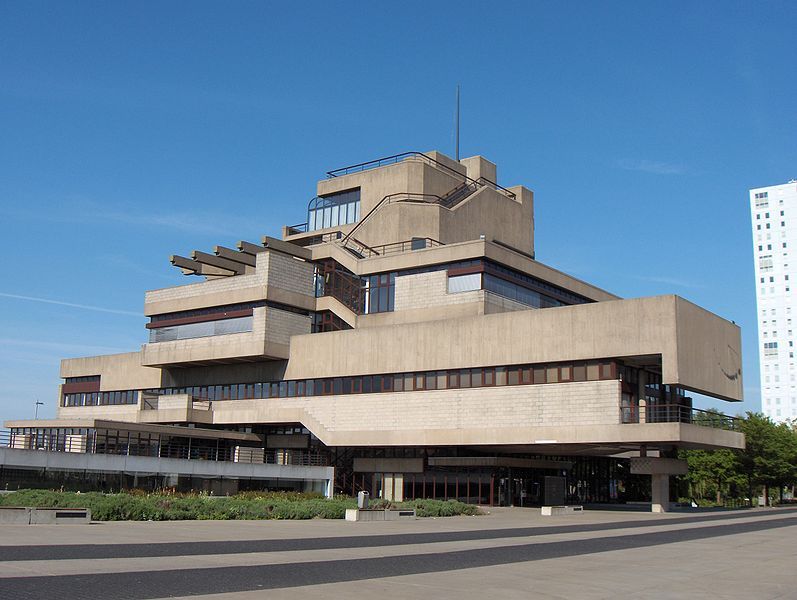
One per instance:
(172, 430)
(699, 350)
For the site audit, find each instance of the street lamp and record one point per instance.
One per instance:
(36, 412)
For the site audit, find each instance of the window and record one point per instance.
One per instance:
(380, 293)
(332, 210)
(770, 348)
(198, 330)
(464, 283)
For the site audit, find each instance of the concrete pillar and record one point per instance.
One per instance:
(642, 401)
(660, 497)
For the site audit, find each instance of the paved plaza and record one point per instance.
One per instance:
(510, 553)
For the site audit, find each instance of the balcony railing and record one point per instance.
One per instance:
(298, 228)
(678, 413)
(397, 247)
(204, 449)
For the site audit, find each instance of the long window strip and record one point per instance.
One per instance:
(537, 374)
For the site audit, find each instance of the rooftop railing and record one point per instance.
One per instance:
(678, 413)
(418, 156)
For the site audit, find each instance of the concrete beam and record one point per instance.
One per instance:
(235, 255)
(212, 260)
(250, 248)
(287, 248)
(192, 267)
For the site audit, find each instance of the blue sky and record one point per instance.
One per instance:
(132, 131)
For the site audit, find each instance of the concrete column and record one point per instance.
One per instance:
(660, 497)
(643, 381)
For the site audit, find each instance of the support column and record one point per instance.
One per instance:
(660, 493)
(641, 399)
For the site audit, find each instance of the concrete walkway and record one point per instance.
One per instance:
(510, 553)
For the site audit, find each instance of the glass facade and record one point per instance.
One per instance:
(202, 329)
(341, 208)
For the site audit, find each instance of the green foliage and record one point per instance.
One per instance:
(768, 460)
(770, 456)
(429, 508)
(138, 506)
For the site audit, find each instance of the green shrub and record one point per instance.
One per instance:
(247, 505)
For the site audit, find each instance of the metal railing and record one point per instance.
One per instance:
(298, 228)
(399, 247)
(678, 413)
(194, 449)
(419, 156)
(401, 197)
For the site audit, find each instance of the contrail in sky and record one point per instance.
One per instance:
(72, 305)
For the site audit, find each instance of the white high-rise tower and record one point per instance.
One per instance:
(774, 217)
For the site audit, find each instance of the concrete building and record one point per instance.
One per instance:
(773, 210)
(405, 336)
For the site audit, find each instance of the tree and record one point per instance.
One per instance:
(770, 456)
(711, 473)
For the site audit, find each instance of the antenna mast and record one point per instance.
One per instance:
(457, 126)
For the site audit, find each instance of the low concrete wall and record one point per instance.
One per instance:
(23, 515)
(355, 514)
(555, 511)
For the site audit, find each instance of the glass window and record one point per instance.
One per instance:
(513, 376)
(579, 372)
(464, 378)
(464, 283)
(552, 375)
(593, 373)
(409, 382)
(442, 380)
(453, 379)
(607, 370)
(431, 381)
(500, 376)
